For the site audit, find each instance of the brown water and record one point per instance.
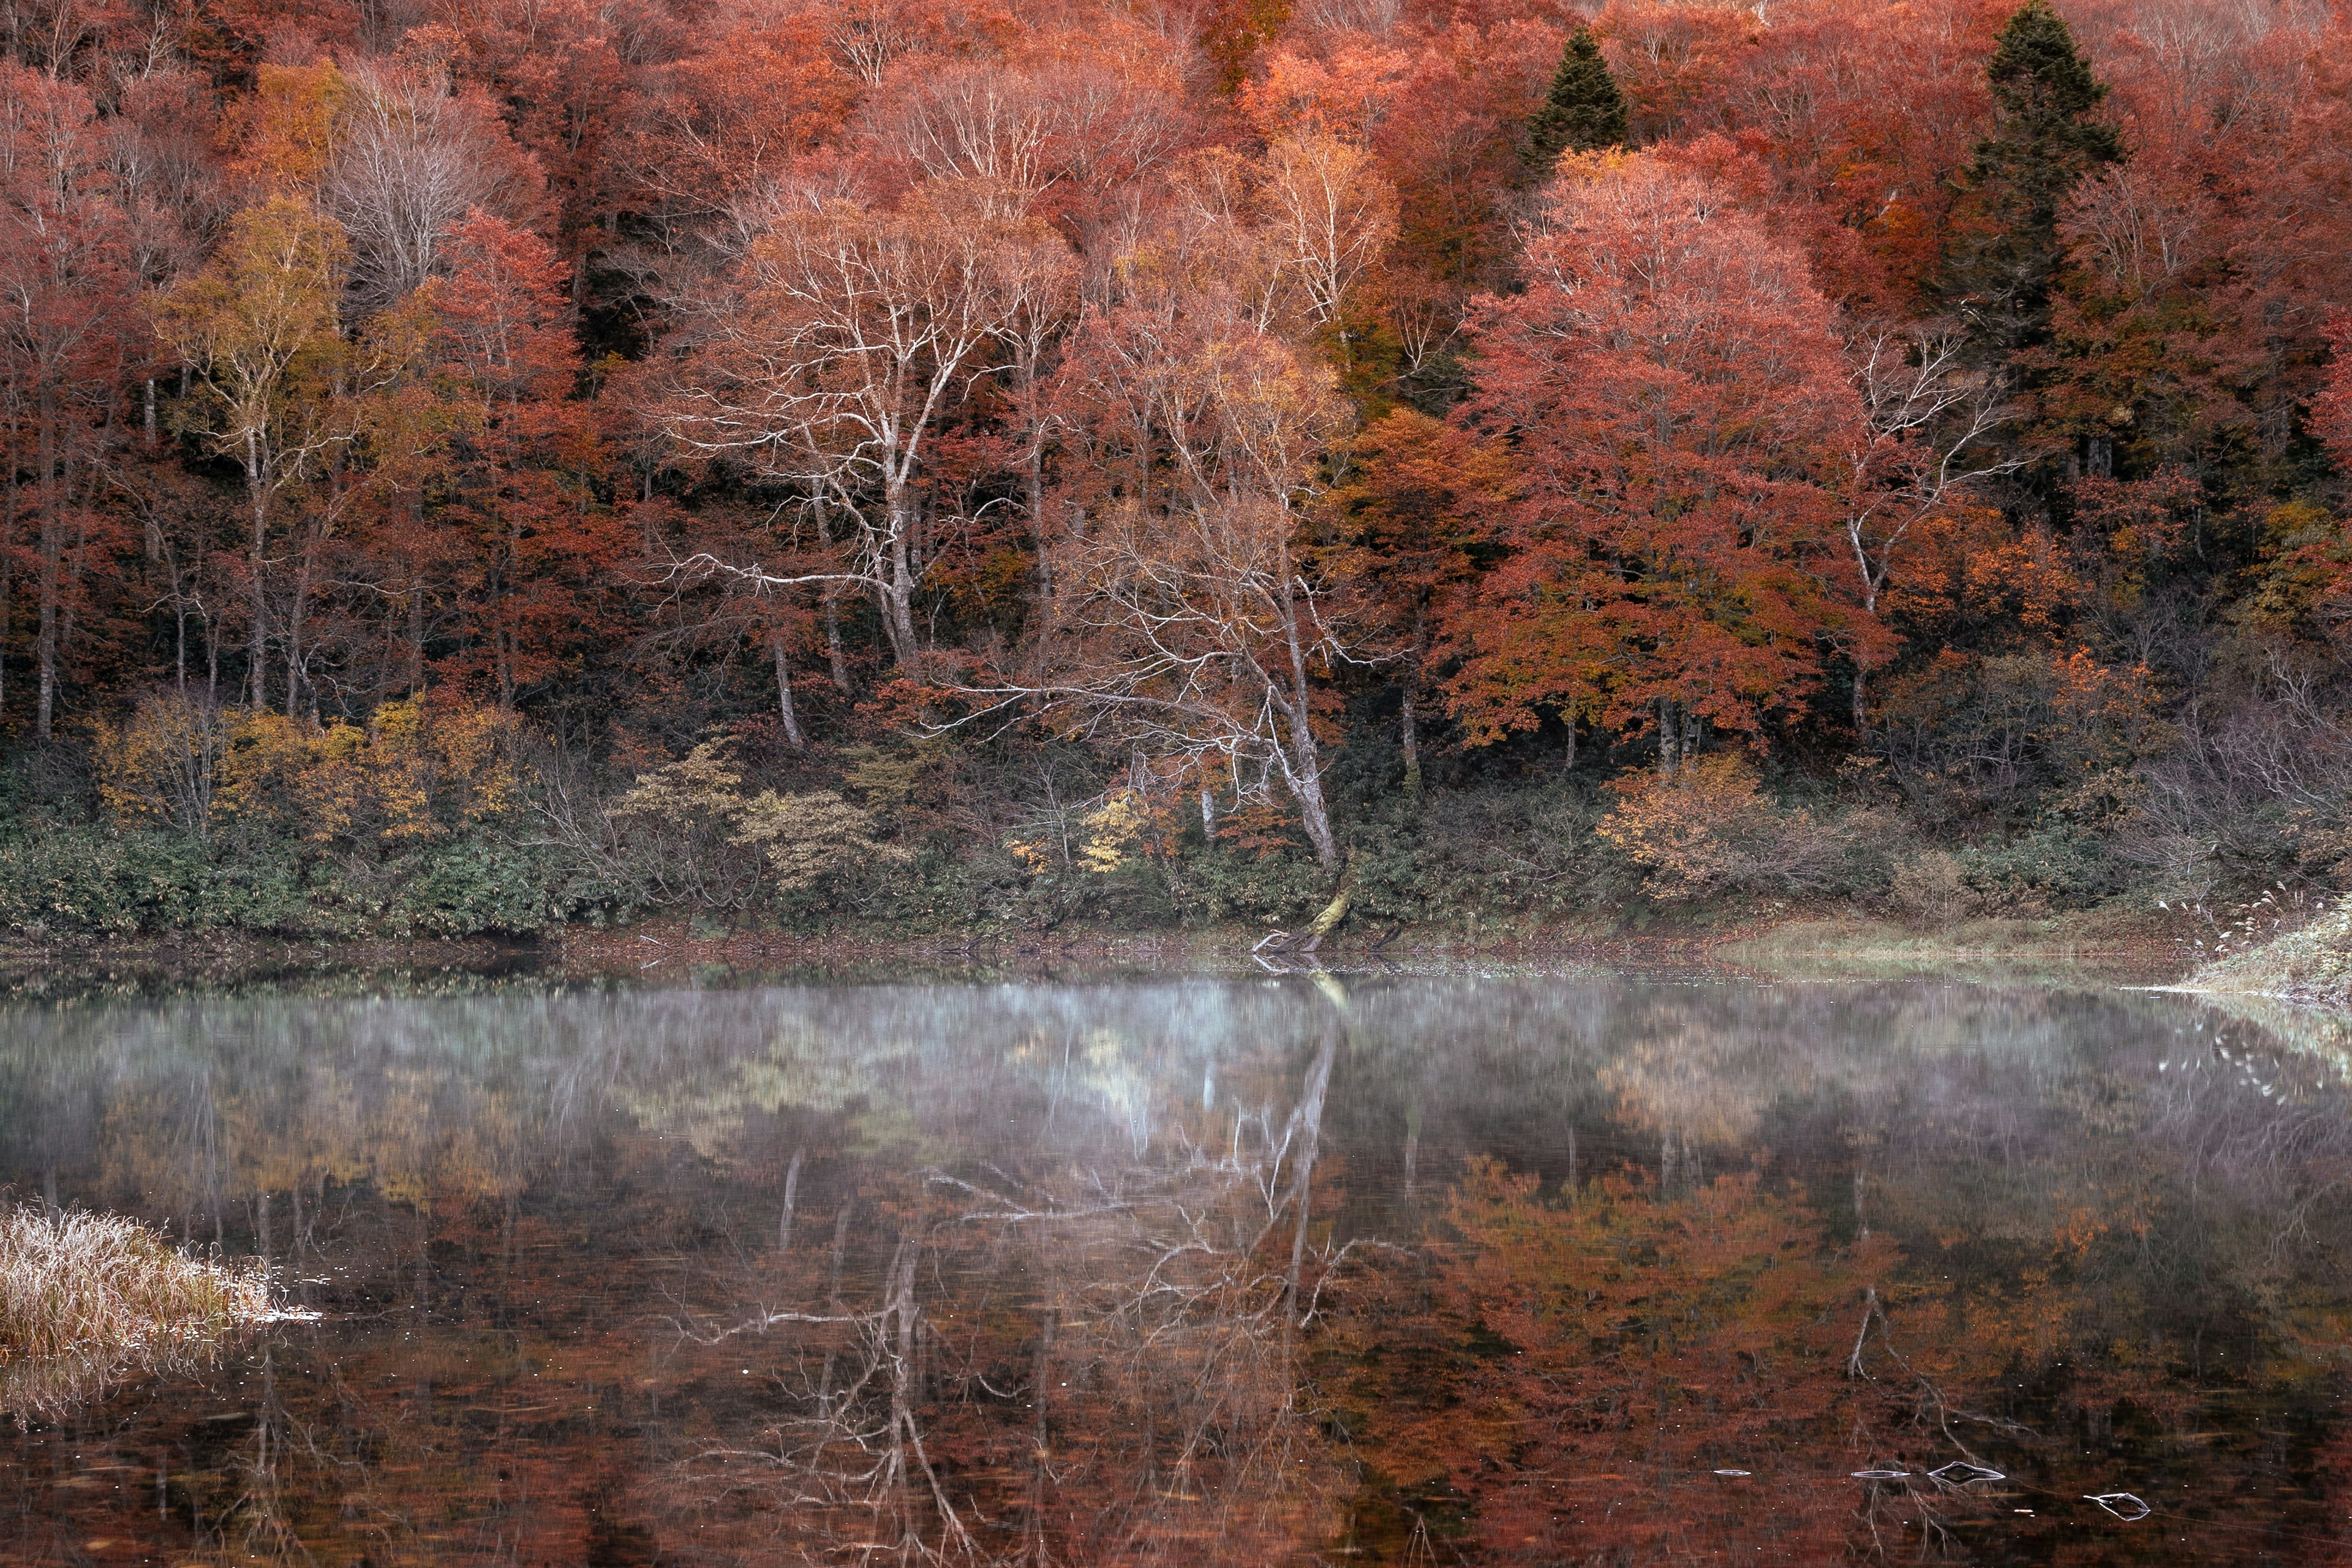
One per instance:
(1427, 1269)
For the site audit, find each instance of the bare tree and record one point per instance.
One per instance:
(977, 120)
(867, 36)
(410, 161)
(1038, 307)
(1923, 443)
(1194, 629)
(1334, 213)
(848, 335)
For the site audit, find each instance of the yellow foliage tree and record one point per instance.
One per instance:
(162, 762)
(809, 837)
(413, 773)
(805, 838)
(261, 329)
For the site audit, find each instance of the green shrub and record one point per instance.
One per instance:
(90, 881)
(76, 880)
(2054, 865)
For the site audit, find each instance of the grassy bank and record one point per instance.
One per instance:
(2313, 964)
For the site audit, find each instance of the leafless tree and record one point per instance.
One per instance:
(1192, 630)
(849, 333)
(411, 160)
(1334, 213)
(1921, 445)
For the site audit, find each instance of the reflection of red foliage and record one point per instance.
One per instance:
(1608, 1353)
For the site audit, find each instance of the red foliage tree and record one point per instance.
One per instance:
(530, 545)
(1673, 389)
(70, 337)
(1406, 522)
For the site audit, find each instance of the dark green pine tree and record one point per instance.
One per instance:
(1583, 110)
(2006, 257)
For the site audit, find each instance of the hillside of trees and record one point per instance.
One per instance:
(479, 465)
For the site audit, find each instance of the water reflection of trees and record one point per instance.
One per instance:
(1066, 1277)
(1055, 1363)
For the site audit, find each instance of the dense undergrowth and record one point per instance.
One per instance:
(439, 821)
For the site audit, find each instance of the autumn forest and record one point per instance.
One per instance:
(479, 465)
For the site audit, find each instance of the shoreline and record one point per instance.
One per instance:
(2111, 945)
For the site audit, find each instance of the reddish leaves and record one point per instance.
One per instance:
(1671, 390)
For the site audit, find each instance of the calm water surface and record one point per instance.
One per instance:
(1413, 1269)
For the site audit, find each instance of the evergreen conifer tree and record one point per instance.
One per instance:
(2045, 141)
(1584, 111)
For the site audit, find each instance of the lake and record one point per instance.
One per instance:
(1433, 1267)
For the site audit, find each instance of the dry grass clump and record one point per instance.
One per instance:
(85, 1297)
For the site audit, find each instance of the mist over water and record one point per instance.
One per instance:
(1405, 1268)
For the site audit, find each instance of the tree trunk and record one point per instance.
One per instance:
(1328, 921)
(1307, 787)
(784, 696)
(416, 639)
(1411, 728)
(1305, 773)
(297, 611)
(258, 499)
(503, 641)
(69, 596)
(52, 547)
(7, 575)
(829, 605)
(898, 593)
(46, 638)
(1033, 479)
(179, 631)
(415, 636)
